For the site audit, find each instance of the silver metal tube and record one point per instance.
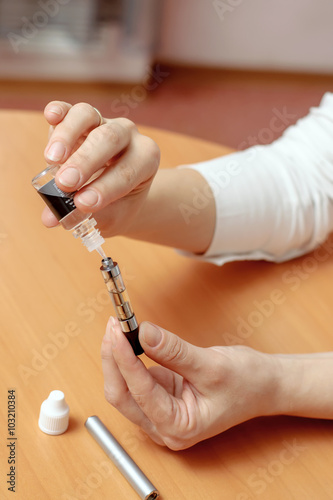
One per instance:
(137, 479)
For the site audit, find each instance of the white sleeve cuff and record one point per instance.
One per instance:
(274, 202)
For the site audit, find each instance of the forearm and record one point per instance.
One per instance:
(272, 202)
(179, 212)
(305, 385)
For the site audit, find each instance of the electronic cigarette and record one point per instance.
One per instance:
(124, 463)
(119, 296)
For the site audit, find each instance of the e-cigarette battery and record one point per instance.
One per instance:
(119, 296)
(137, 479)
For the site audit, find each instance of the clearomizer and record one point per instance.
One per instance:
(121, 303)
(63, 207)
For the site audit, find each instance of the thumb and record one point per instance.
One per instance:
(171, 351)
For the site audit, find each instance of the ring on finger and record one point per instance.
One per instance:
(100, 117)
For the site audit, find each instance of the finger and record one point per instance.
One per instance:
(174, 353)
(156, 403)
(171, 381)
(115, 388)
(131, 172)
(55, 111)
(48, 219)
(100, 146)
(79, 119)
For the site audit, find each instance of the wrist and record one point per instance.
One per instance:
(304, 385)
(257, 382)
(268, 385)
(171, 215)
(288, 375)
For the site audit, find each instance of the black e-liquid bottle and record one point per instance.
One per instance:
(63, 207)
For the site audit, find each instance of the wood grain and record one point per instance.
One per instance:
(54, 309)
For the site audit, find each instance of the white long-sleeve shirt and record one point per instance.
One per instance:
(274, 202)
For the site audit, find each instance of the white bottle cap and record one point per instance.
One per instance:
(54, 414)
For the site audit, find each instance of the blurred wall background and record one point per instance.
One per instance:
(285, 35)
(114, 40)
(217, 69)
(78, 40)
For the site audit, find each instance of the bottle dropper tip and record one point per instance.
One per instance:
(101, 252)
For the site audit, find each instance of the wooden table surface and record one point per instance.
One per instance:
(54, 308)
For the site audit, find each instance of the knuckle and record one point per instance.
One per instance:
(161, 416)
(139, 399)
(112, 397)
(152, 151)
(128, 124)
(86, 109)
(81, 156)
(110, 132)
(176, 351)
(128, 174)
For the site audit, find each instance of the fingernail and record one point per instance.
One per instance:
(56, 151)
(107, 335)
(151, 334)
(69, 177)
(56, 110)
(114, 331)
(88, 198)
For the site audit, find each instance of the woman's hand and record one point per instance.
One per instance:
(194, 394)
(110, 164)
